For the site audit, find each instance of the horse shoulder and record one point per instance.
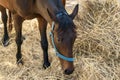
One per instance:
(24, 7)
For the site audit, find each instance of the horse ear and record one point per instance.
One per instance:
(75, 11)
(51, 15)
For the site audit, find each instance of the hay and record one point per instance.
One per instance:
(98, 42)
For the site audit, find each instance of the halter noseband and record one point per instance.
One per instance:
(54, 46)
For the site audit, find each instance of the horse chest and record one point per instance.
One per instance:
(27, 15)
(31, 16)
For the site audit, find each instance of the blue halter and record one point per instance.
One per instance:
(53, 43)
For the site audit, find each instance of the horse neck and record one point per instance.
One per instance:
(55, 6)
(52, 5)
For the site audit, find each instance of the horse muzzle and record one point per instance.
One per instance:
(68, 71)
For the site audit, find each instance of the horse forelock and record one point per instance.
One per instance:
(65, 23)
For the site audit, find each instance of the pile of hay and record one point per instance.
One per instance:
(97, 48)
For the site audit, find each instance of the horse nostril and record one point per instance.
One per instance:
(68, 71)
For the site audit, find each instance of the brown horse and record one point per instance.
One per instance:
(4, 16)
(46, 11)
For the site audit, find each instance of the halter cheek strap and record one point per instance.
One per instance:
(53, 43)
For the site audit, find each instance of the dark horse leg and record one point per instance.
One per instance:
(44, 43)
(18, 28)
(5, 39)
(10, 21)
(64, 2)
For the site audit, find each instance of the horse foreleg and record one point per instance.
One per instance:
(10, 21)
(18, 28)
(5, 39)
(64, 2)
(44, 43)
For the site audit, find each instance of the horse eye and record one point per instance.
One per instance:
(60, 39)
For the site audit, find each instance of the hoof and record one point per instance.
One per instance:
(23, 38)
(46, 65)
(5, 42)
(20, 62)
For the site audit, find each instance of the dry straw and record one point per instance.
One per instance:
(98, 42)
